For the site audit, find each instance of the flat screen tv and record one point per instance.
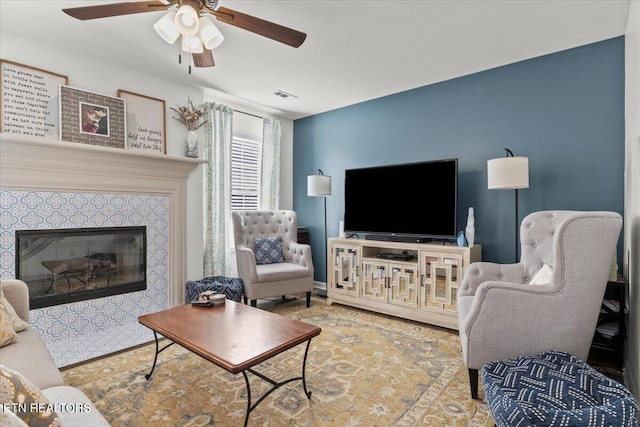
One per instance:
(404, 202)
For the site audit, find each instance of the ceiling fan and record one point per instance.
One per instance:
(185, 18)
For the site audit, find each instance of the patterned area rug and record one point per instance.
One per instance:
(364, 369)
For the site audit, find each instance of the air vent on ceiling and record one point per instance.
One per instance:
(284, 95)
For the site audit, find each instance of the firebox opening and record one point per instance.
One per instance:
(76, 264)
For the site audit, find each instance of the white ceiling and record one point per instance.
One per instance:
(355, 50)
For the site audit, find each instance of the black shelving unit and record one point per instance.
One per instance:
(303, 235)
(607, 347)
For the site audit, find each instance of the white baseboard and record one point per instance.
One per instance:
(319, 285)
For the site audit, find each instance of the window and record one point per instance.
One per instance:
(246, 159)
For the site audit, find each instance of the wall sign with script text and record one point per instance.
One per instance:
(146, 127)
(29, 100)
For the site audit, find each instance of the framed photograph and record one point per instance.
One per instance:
(29, 100)
(91, 118)
(146, 125)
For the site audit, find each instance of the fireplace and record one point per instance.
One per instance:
(50, 184)
(75, 264)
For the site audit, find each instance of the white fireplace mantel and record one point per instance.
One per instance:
(41, 164)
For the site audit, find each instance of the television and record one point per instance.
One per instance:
(411, 202)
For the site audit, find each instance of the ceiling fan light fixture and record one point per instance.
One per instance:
(183, 18)
(166, 28)
(209, 34)
(192, 44)
(186, 20)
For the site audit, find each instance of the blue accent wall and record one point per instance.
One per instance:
(564, 111)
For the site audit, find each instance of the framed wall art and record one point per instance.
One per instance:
(146, 125)
(91, 118)
(29, 100)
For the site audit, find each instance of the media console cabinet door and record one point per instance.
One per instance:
(374, 280)
(391, 283)
(403, 285)
(440, 281)
(345, 264)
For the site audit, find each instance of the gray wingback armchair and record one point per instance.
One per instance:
(294, 275)
(501, 315)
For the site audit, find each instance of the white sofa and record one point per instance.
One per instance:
(29, 356)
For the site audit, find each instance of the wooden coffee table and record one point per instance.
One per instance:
(233, 336)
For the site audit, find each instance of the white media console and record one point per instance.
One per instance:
(362, 273)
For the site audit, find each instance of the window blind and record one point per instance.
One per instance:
(245, 173)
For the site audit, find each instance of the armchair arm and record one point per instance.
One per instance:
(246, 260)
(500, 297)
(511, 319)
(480, 272)
(301, 254)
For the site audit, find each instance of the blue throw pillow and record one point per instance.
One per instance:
(269, 250)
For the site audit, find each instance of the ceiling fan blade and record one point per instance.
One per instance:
(115, 9)
(204, 59)
(267, 29)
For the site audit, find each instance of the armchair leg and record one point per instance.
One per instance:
(245, 300)
(473, 381)
(308, 299)
(254, 303)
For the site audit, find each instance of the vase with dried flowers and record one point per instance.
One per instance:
(192, 118)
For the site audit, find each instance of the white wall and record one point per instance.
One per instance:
(98, 75)
(94, 74)
(632, 191)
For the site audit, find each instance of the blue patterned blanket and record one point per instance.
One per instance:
(232, 287)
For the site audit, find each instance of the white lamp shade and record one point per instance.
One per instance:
(192, 44)
(166, 28)
(209, 34)
(186, 20)
(318, 185)
(508, 173)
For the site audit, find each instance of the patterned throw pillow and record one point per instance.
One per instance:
(7, 334)
(25, 399)
(269, 250)
(17, 323)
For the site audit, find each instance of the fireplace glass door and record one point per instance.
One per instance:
(67, 265)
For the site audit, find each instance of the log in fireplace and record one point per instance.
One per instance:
(66, 265)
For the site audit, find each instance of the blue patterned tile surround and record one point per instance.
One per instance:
(83, 330)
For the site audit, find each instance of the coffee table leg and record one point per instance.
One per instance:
(249, 408)
(276, 385)
(158, 351)
(304, 367)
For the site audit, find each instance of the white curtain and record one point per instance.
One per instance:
(217, 189)
(270, 192)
